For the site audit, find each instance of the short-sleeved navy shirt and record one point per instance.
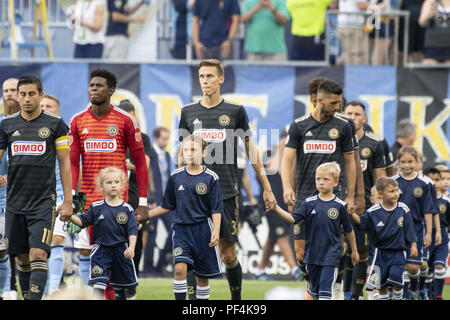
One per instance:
(113, 27)
(214, 16)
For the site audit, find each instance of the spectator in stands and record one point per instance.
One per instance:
(435, 18)
(182, 10)
(351, 33)
(89, 28)
(116, 39)
(416, 34)
(211, 35)
(308, 26)
(405, 136)
(265, 29)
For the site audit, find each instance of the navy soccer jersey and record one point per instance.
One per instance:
(417, 194)
(323, 221)
(316, 143)
(112, 224)
(220, 126)
(371, 154)
(389, 229)
(193, 197)
(443, 203)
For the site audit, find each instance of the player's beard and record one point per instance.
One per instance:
(11, 106)
(98, 101)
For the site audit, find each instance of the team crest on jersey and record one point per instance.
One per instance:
(44, 132)
(442, 208)
(418, 192)
(224, 120)
(201, 188)
(366, 153)
(333, 213)
(138, 137)
(122, 218)
(113, 130)
(296, 229)
(400, 222)
(177, 251)
(333, 133)
(363, 164)
(96, 271)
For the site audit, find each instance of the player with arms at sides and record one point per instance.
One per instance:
(416, 192)
(371, 153)
(115, 235)
(221, 123)
(34, 139)
(101, 135)
(323, 214)
(193, 191)
(391, 229)
(314, 139)
(438, 253)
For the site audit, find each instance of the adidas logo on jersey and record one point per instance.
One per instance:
(85, 131)
(314, 211)
(101, 217)
(196, 121)
(180, 188)
(308, 134)
(380, 224)
(16, 133)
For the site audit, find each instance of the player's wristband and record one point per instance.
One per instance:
(142, 202)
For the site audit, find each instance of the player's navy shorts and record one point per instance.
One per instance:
(277, 226)
(321, 280)
(420, 231)
(389, 266)
(29, 230)
(191, 245)
(439, 254)
(109, 264)
(230, 220)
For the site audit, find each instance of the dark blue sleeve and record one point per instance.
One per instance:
(242, 124)
(215, 197)
(235, 8)
(170, 200)
(197, 10)
(347, 139)
(3, 137)
(388, 157)
(363, 222)
(132, 224)
(408, 227)
(378, 157)
(345, 219)
(429, 204)
(301, 213)
(353, 132)
(447, 213)
(87, 219)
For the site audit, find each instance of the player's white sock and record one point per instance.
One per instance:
(180, 289)
(383, 296)
(203, 292)
(259, 272)
(84, 265)
(294, 270)
(4, 262)
(397, 295)
(55, 267)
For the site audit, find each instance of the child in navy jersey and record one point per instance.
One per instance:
(324, 215)
(115, 234)
(193, 191)
(391, 229)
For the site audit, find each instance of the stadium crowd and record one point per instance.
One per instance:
(276, 30)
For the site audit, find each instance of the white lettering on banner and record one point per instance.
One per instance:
(211, 135)
(28, 148)
(319, 146)
(100, 145)
(363, 165)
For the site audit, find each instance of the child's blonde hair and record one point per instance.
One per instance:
(442, 168)
(410, 150)
(384, 182)
(103, 174)
(330, 167)
(196, 138)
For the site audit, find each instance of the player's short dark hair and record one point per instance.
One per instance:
(410, 150)
(330, 87)
(30, 80)
(384, 182)
(313, 84)
(355, 103)
(212, 63)
(126, 105)
(431, 170)
(52, 97)
(196, 138)
(111, 79)
(157, 131)
(442, 168)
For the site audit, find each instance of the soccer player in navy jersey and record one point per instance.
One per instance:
(438, 253)
(392, 231)
(416, 192)
(324, 214)
(194, 192)
(114, 237)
